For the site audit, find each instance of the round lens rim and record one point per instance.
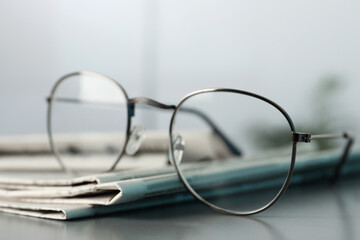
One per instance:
(189, 187)
(49, 122)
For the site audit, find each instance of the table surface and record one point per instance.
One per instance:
(316, 211)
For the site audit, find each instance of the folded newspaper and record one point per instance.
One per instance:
(32, 184)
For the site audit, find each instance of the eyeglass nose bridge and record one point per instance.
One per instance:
(149, 102)
(136, 135)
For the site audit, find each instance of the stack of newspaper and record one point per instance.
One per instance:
(34, 185)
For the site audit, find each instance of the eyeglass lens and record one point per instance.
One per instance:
(227, 166)
(88, 122)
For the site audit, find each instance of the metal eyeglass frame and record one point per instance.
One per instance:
(131, 103)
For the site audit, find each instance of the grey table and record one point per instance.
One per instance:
(316, 211)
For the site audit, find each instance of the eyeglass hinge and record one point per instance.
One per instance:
(131, 107)
(301, 137)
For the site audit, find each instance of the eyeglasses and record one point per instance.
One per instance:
(212, 135)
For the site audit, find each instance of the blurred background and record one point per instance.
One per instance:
(304, 55)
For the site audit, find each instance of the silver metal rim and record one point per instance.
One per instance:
(188, 186)
(49, 112)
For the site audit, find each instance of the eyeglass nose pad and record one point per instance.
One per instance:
(178, 147)
(135, 139)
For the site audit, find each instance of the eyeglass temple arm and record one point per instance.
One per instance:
(234, 150)
(303, 137)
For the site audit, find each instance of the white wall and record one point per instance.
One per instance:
(164, 49)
